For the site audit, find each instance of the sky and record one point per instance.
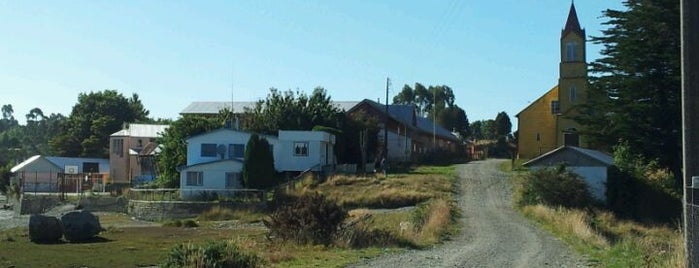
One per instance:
(495, 55)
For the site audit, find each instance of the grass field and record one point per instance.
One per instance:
(144, 246)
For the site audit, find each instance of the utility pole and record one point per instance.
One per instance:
(384, 161)
(434, 120)
(689, 10)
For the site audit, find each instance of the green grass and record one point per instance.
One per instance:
(148, 246)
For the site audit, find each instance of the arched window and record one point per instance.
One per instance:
(573, 94)
(571, 51)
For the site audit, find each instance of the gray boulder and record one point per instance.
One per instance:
(80, 226)
(45, 229)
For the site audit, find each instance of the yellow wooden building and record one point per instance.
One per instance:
(547, 123)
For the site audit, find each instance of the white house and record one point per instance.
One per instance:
(215, 158)
(591, 165)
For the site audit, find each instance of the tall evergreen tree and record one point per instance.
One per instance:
(634, 93)
(258, 166)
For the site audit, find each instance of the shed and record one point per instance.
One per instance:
(43, 173)
(591, 165)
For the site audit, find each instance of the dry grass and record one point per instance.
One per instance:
(218, 213)
(440, 216)
(398, 190)
(610, 241)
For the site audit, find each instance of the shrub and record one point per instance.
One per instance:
(554, 186)
(311, 218)
(212, 254)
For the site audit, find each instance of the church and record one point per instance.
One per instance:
(547, 123)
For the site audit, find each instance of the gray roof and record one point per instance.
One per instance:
(598, 157)
(61, 162)
(426, 125)
(404, 113)
(142, 130)
(213, 107)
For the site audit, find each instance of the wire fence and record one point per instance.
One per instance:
(176, 194)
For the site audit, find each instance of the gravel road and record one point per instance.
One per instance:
(493, 234)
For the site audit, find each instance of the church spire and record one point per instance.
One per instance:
(572, 24)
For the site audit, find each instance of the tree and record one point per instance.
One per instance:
(291, 111)
(634, 93)
(93, 119)
(503, 126)
(174, 146)
(258, 166)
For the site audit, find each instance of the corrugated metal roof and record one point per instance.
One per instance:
(142, 130)
(61, 162)
(426, 125)
(213, 107)
(404, 113)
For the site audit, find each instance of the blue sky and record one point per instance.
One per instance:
(495, 55)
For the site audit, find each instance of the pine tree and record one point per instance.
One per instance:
(634, 93)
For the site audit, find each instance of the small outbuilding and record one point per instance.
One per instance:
(61, 174)
(591, 165)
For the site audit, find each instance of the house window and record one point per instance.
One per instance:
(232, 180)
(195, 178)
(573, 94)
(538, 137)
(571, 51)
(118, 147)
(300, 148)
(208, 150)
(236, 151)
(555, 107)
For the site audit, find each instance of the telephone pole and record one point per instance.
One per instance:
(384, 161)
(689, 10)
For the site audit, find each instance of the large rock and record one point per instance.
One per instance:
(44, 229)
(80, 226)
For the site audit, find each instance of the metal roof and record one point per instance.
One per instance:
(61, 162)
(601, 157)
(213, 107)
(426, 125)
(142, 130)
(404, 113)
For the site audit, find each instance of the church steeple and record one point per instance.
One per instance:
(572, 24)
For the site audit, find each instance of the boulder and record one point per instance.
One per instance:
(80, 226)
(45, 229)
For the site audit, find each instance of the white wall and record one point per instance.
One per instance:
(214, 175)
(221, 136)
(320, 150)
(596, 179)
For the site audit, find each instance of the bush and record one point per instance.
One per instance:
(554, 186)
(311, 218)
(212, 254)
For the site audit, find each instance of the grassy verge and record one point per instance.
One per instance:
(595, 232)
(611, 242)
(426, 224)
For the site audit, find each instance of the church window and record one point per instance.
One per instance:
(555, 107)
(538, 137)
(571, 51)
(573, 94)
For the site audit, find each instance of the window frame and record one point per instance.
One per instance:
(571, 51)
(555, 107)
(213, 150)
(236, 177)
(300, 151)
(194, 178)
(232, 152)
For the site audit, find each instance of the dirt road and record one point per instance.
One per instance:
(493, 235)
